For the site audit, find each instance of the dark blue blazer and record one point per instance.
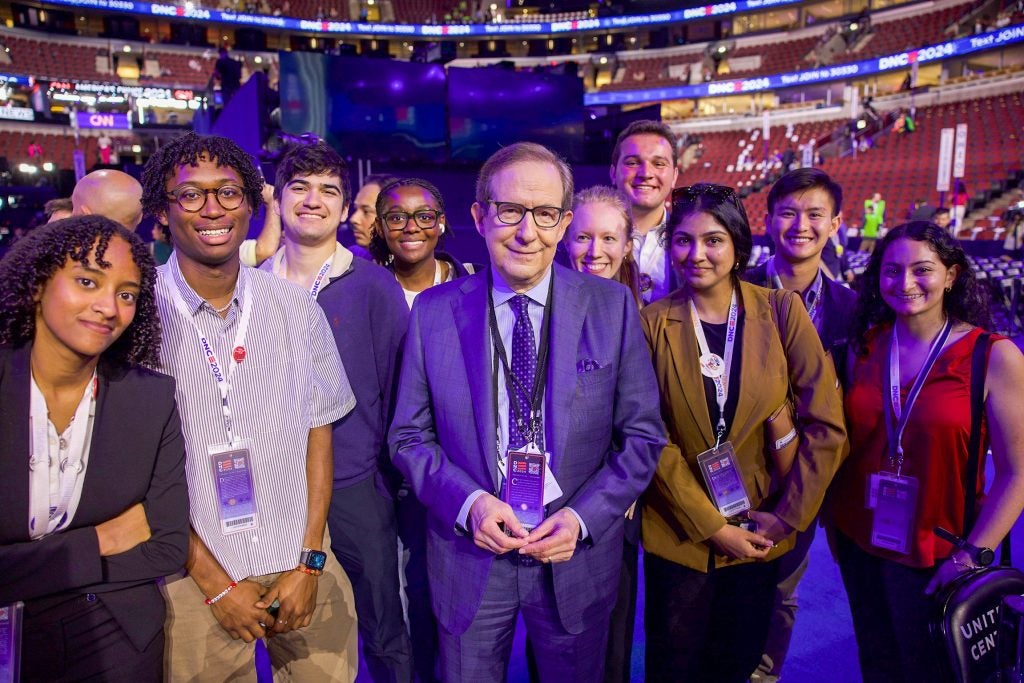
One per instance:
(602, 426)
(838, 308)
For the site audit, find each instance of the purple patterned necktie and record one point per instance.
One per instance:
(524, 367)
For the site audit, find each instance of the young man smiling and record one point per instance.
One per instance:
(803, 213)
(368, 316)
(644, 169)
(258, 385)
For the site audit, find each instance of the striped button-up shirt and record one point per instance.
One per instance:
(290, 381)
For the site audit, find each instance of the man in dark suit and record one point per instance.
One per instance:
(803, 214)
(544, 358)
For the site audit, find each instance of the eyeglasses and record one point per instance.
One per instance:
(396, 221)
(193, 199)
(510, 213)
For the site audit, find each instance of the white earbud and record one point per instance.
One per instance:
(440, 228)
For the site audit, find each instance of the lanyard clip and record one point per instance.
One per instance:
(719, 433)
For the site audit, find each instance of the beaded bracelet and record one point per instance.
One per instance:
(306, 570)
(218, 596)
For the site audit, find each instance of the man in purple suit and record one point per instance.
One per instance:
(525, 368)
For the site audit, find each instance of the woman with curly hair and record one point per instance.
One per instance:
(91, 454)
(909, 411)
(409, 227)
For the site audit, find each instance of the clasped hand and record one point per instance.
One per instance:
(554, 540)
(243, 611)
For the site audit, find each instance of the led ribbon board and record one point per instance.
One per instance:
(360, 28)
(932, 53)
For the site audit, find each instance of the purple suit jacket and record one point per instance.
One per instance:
(602, 425)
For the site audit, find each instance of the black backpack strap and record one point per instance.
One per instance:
(979, 365)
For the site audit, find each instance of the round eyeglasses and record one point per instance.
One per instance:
(544, 217)
(425, 219)
(193, 199)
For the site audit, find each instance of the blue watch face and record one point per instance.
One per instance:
(316, 560)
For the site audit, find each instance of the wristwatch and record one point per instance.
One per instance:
(980, 556)
(312, 559)
(983, 557)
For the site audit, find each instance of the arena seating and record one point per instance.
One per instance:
(182, 68)
(556, 16)
(48, 59)
(432, 11)
(775, 58)
(57, 148)
(653, 72)
(740, 159)
(902, 166)
(897, 35)
(887, 37)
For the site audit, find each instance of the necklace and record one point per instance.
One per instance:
(222, 308)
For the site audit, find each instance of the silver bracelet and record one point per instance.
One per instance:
(960, 563)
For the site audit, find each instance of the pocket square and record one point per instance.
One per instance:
(587, 365)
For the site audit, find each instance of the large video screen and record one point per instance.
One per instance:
(489, 108)
(376, 109)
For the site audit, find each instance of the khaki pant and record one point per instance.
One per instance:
(199, 650)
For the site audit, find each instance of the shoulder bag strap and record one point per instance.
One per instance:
(979, 365)
(776, 300)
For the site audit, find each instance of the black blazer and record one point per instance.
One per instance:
(137, 455)
(838, 307)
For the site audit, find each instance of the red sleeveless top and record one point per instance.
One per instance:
(934, 445)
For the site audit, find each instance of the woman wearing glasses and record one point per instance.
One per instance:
(95, 507)
(721, 510)
(410, 225)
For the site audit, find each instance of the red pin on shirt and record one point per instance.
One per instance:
(238, 354)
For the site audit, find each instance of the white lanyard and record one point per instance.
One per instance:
(237, 354)
(815, 291)
(714, 366)
(317, 281)
(896, 420)
(40, 458)
(320, 276)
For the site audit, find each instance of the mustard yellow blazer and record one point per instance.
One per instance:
(678, 515)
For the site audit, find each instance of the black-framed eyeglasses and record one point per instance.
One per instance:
(425, 219)
(510, 213)
(690, 193)
(193, 199)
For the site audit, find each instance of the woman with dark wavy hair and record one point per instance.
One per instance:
(91, 454)
(908, 407)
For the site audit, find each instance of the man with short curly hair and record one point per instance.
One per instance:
(259, 383)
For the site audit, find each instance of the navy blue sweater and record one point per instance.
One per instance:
(366, 309)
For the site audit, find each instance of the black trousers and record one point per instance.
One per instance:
(79, 640)
(361, 520)
(890, 616)
(412, 528)
(617, 663)
(706, 627)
